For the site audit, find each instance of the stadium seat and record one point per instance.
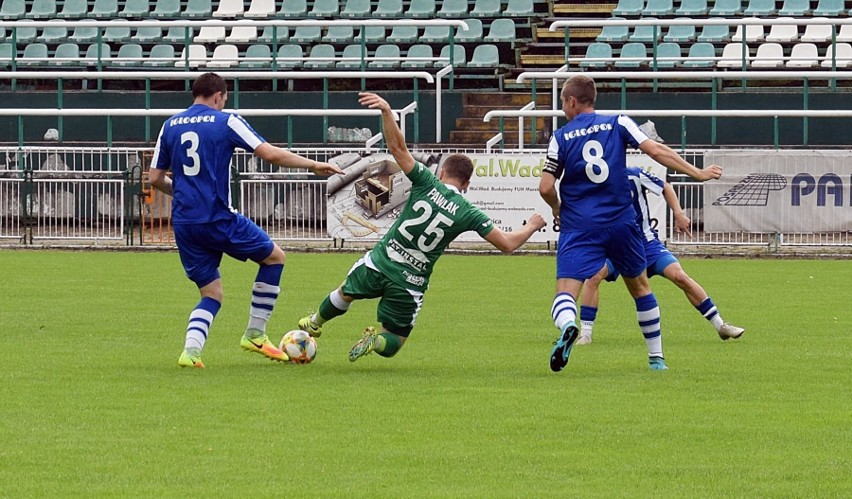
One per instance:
(484, 56)
(658, 8)
(371, 34)
(129, 55)
(201, 9)
(242, 34)
(692, 8)
(321, 56)
(403, 34)
(356, 9)
(418, 57)
(829, 8)
(119, 32)
(258, 56)
(42, 9)
(35, 54)
(229, 8)
(291, 9)
(224, 56)
(92, 57)
(135, 9)
(351, 57)
(84, 34)
(632, 50)
(66, 54)
(597, 50)
(783, 32)
(726, 8)
(453, 9)
(421, 9)
(104, 9)
(6, 50)
(473, 33)
(259, 9)
(178, 34)
(387, 56)
(166, 9)
(25, 34)
(440, 34)
(769, 55)
(803, 55)
(732, 56)
(760, 8)
(161, 55)
(701, 55)
(669, 55)
(197, 57)
(459, 57)
(646, 34)
(845, 33)
(339, 34)
(501, 30)
(73, 9)
(486, 8)
(290, 56)
(842, 59)
(12, 9)
(715, 33)
(753, 33)
(616, 34)
(274, 34)
(680, 33)
(210, 34)
(306, 34)
(817, 33)
(147, 34)
(53, 34)
(324, 8)
(795, 8)
(628, 8)
(388, 9)
(518, 8)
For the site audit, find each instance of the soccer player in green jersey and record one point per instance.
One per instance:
(397, 269)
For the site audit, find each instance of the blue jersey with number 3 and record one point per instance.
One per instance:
(197, 145)
(588, 156)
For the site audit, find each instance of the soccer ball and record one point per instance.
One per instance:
(299, 346)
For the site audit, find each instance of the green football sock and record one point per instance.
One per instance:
(387, 344)
(327, 311)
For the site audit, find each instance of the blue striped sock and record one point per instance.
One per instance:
(264, 294)
(200, 320)
(648, 315)
(564, 310)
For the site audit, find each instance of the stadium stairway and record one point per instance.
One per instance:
(471, 130)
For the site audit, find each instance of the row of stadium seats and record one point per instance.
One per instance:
(831, 8)
(703, 55)
(814, 33)
(261, 9)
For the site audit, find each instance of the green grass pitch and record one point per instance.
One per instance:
(92, 402)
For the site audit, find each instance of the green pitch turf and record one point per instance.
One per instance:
(92, 402)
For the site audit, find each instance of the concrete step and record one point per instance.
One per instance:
(583, 8)
(480, 138)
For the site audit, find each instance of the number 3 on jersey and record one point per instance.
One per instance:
(191, 153)
(432, 229)
(593, 156)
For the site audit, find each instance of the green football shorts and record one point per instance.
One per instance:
(398, 306)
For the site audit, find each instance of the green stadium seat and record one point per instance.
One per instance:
(597, 50)
(135, 9)
(459, 57)
(616, 34)
(260, 9)
(325, 9)
(197, 57)
(291, 9)
(388, 57)
(760, 8)
(418, 57)
(161, 55)
(829, 8)
(147, 34)
(339, 34)
(35, 54)
(388, 9)
(166, 9)
(518, 8)
(421, 9)
(403, 34)
(453, 9)
(356, 9)
(178, 34)
(321, 56)
(6, 52)
(73, 9)
(2, 33)
(24, 34)
(306, 34)
(631, 50)
(692, 8)
(351, 57)
(473, 33)
(118, 33)
(700, 56)
(626, 8)
(715, 33)
(646, 34)
(104, 9)
(486, 8)
(210, 34)
(66, 54)
(200, 9)
(84, 34)
(439, 34)
(680, 33)
(281, 34)
(501, 31)
(42, 9)
(795, 8)
(658, 8)
(372, 34)
(290, 56)
(484, 56)
(91, 56)
(129, 56)
(726, 8)
(242, 34)
(668, 55)
(53, 34)
(224, 56)
(12, 9)
(257, 56)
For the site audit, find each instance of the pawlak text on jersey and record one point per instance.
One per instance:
(207, 118)
(442, 202)
(582, 132)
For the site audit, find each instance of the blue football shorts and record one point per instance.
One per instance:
(582, 253)
(657, 255)
(201, 246)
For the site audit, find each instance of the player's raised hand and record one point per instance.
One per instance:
(325, 169)
(373, 101)
(711, 172)
(537, 221)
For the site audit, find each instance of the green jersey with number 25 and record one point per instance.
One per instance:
(434, 215)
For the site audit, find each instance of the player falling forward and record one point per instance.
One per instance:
(397, 269)
(660, 260)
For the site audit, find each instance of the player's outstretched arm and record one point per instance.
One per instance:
(508, 242)
(393, 135)
(665, 156)
(283, 157)
(681, 221)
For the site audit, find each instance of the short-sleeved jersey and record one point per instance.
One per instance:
(588, 155)
(642, 183)
(434, 215)
(197, 145)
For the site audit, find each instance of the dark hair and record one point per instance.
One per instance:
(582, 88)
(208, 85)
(458, 166)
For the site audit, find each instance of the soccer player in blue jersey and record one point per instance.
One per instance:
(659, 259)
(197, 146)
(593, 208)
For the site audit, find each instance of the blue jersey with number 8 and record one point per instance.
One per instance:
(588, 156)
(197, 145)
